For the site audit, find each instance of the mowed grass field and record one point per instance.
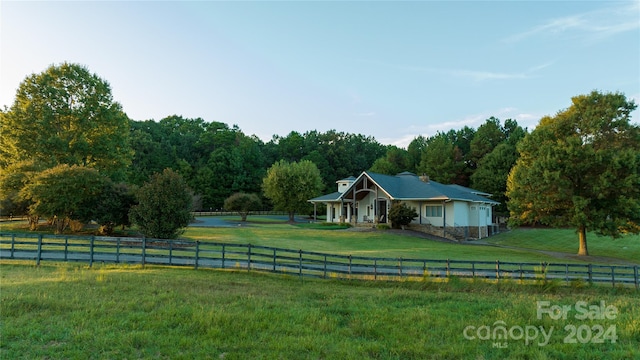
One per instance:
(70, 311)
(520, 245)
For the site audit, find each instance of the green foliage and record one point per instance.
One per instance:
(580, 168)
(486, 138)
(164, 206)
(65, 193)
(336, 154)
(291, 185)
(213, 158)
(113, 207)
(493, 169)
(414, 152)
(401, 215)
(395, 161)
(66, 115)
(12, 180)
(442, 160)
(242, 203)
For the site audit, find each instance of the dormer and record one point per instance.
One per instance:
(344, 184)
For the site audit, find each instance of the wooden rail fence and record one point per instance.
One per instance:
(198, 254)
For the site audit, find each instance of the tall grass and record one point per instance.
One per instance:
(61, 311)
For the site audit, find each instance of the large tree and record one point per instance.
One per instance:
(65, 193)
(395, 161)
(164, 206)
(291, 185)
(581, 168)
(66, 115)
(442, 160)
(493, 168)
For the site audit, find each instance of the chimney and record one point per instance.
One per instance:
(424, 178)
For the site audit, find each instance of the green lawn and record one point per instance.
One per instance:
(70, 311)
(566, 240)
(520, 245)
(386, 244)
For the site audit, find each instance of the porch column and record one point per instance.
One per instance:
(375, 208)
(479, 233)
(444, 219)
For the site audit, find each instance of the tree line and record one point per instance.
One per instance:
(64, 131)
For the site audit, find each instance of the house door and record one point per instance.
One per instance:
(382, 211)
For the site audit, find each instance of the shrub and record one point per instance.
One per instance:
(243, 204)
(401, 215)
(164, 206)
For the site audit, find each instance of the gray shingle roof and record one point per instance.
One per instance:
(408, 186)
(329, 197)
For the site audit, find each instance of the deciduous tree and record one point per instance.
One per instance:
(243, 204)
(65, 193)
(66, 115)
(291, 185)
(581, 168)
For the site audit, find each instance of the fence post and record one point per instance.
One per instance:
(274, 259)
(39, 249)
(400, 267)
(566, 273)
(66, 246)
(91, 251)
(300, 262)
(197, 253)
(144, 250)
(249, 258)
(349, 265)
(473, 269)
(590, 275)
(13, 244)
(635, 276)
(497, 269)
(223, 246)
(521, 272)
(613, 276)
(118, 250)
(448, 268)
(170, 252)
(375, 269)
(324, 274)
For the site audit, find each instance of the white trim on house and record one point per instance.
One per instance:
(368, 198)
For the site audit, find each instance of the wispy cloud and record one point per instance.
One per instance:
(479, 75)
(366, 114)
(475, 120)
(593, 25)
(401, 142)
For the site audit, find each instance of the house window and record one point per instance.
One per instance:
(433, 211)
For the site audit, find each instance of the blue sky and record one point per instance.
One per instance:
(392, 70)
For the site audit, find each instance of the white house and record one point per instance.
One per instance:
(452, 211)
